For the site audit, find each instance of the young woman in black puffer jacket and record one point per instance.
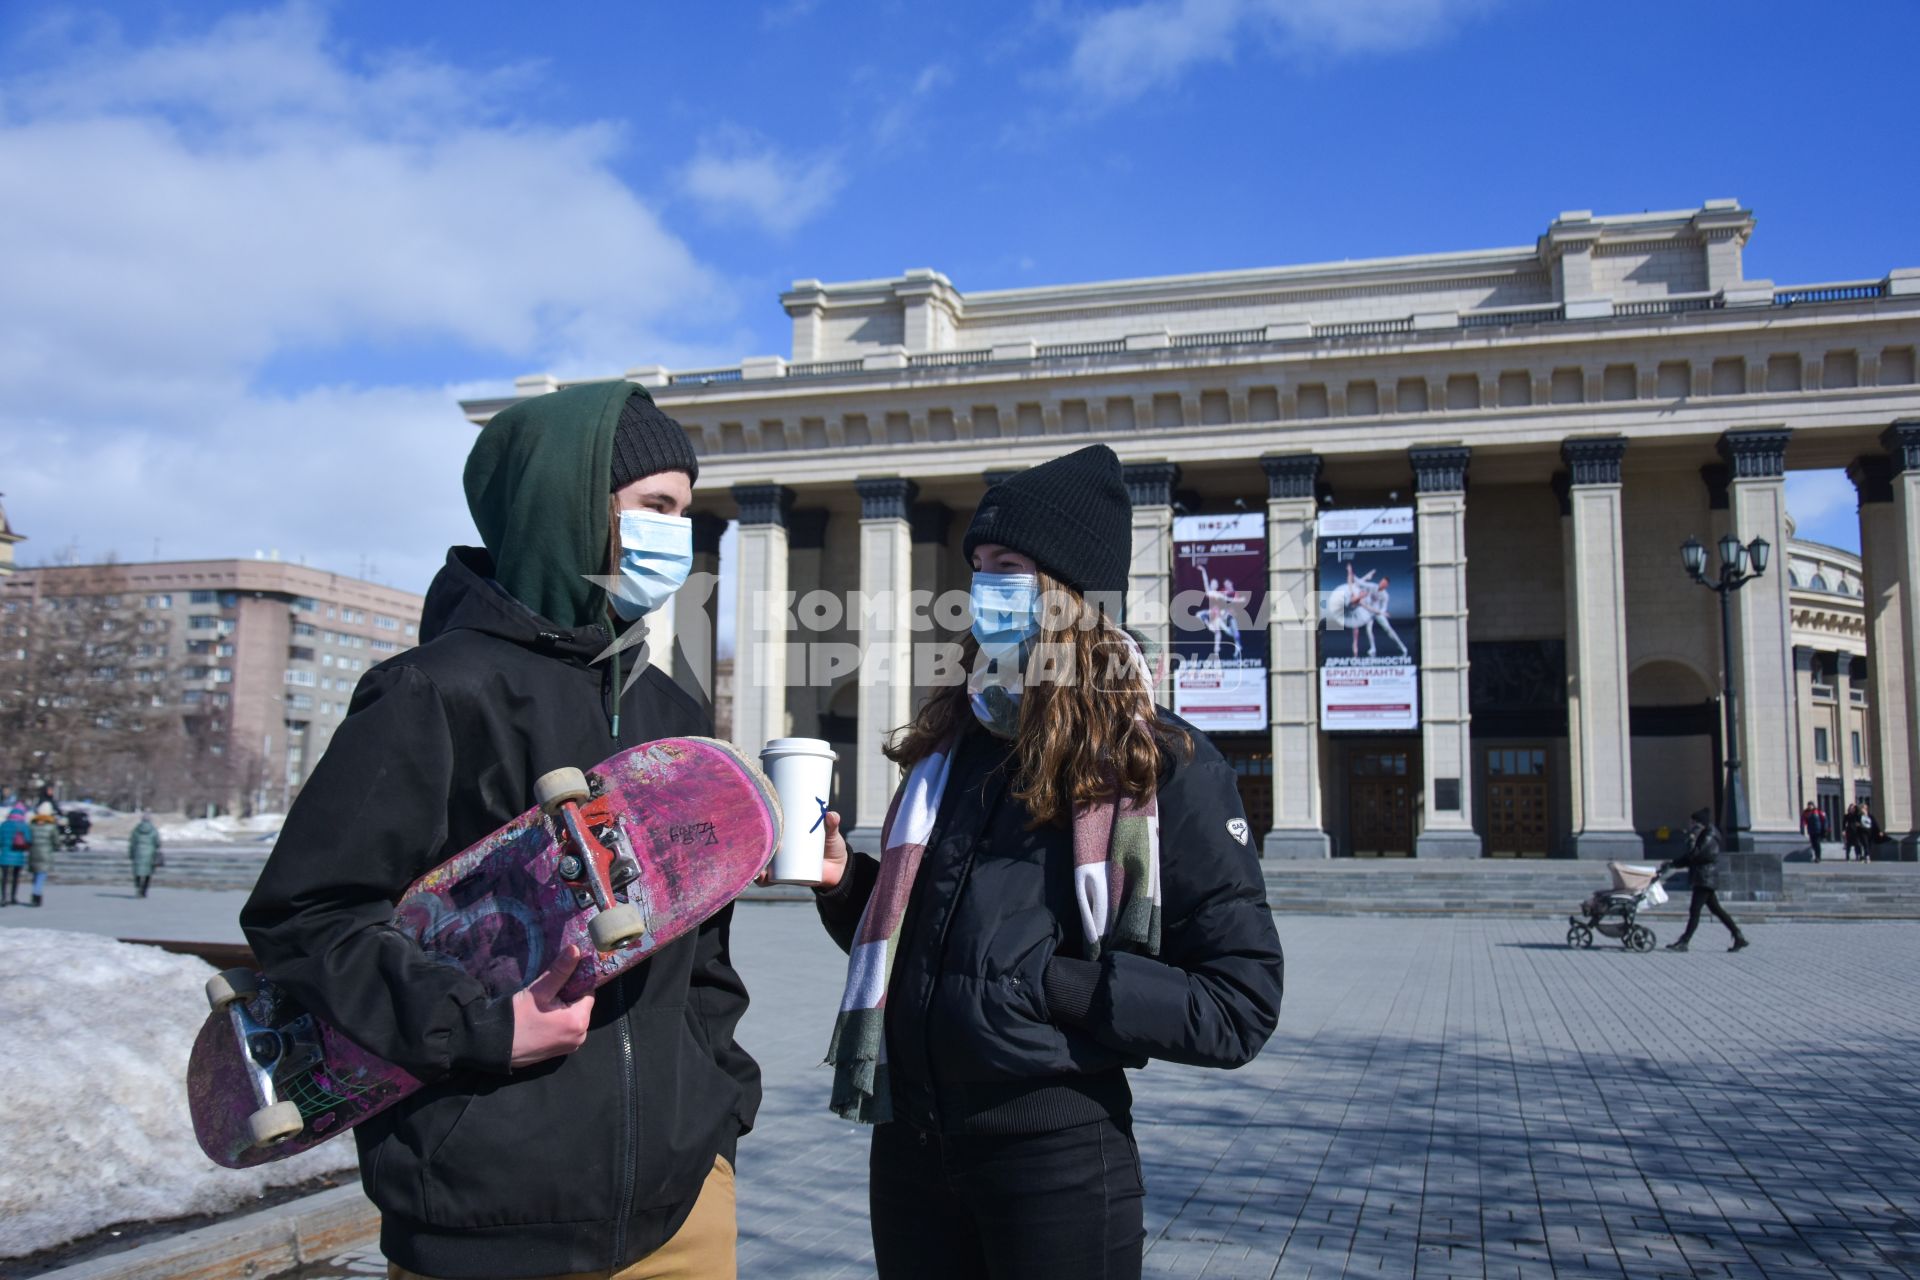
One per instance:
(1066, 887)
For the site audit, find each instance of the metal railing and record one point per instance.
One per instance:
(701, 377)
(947, 359)
(1104, 347)
(1849, 291)
(1500, 317)
(1363, 328)
(1670, 306)
(1220, 338)
(825, 368)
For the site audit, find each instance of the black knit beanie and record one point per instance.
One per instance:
(1072, 515)
(648, 441)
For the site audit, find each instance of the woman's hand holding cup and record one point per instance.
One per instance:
(833, 860)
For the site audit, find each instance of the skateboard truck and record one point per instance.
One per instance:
(592, 870)
(261, 1048)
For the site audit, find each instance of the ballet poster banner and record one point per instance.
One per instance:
(1218, 639)
(1369, 620)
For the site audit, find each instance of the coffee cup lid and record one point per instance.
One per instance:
(799, 747)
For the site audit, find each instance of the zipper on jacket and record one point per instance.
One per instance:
(629, 1125)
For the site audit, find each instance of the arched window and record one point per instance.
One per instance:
(1819, 582)
(1793, 578)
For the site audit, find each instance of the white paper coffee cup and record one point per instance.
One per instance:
(802, 773)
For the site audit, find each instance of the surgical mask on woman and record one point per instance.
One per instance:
(1006, 619)
(656, 555)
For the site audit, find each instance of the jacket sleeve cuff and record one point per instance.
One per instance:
(489, 1043)
(1069, 986)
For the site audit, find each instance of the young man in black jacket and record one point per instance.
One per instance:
(594, 1138)
(1702, 859)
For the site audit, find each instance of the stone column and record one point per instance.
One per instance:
(1293, 605)
(1446, 721)
(1562, 483)
(884, 626)
(1889, 488)
(930, 523)
(1807, 716)
(1762, 643)
(760, 616)
(1150, 568)
(806, 544)
(1597, 650)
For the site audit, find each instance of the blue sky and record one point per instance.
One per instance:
(255, 252)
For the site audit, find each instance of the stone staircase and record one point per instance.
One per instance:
(1554, 888)
(1341, 886)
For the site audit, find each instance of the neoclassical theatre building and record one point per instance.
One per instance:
(1560, 416)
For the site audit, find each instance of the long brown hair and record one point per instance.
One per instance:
(1087, 727)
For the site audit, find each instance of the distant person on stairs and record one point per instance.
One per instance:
(15, 840)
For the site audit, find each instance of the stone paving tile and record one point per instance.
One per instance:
(1456, 1098)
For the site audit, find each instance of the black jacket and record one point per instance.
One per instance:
(996, 1023)
(1702, 858)
(581, 1163)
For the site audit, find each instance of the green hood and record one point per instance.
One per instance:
(537, 484)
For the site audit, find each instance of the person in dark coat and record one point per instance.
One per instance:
(552, 1139)
(1813, 825)
(1066, 887)
(1702, 860)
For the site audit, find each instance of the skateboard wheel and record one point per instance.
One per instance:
(232, 984)
(615, 925)
(551, 790)
(276, 1123)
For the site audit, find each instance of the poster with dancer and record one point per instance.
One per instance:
(1219, 641)
(1369, 620)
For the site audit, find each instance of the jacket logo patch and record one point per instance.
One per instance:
(1237, 828)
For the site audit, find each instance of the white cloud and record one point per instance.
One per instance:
(738, 177)
(1123, 53)
(180, 214)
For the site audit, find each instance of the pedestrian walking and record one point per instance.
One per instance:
(591, 1138)
(1866, 831)
(16, 838)
(1702, 859)
(143, 851)
(1813, 824)
(43, 842)
(1065, 887)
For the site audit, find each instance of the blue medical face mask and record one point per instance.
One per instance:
(656, 555)
(1006, 609)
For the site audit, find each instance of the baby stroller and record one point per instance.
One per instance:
(1610, 912)
(74, 824)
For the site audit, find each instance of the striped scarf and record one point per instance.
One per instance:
(1116, 882)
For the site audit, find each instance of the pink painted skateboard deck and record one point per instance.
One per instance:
(671, 832)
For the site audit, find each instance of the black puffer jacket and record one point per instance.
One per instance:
(996, 1023)
(1702, 858)
(582, 1163)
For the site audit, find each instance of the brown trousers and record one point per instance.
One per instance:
(702, 1249)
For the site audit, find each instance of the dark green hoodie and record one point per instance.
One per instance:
(537, 484)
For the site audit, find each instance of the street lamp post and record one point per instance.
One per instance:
(1734, 574)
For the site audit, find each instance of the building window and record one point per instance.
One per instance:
(159, 602)
(299, 653)
(1819, 582)
(202, 622)
(305, 679)
(304, 629)
(1822, 754)
(202, 597)
(1854, 744)
(385, 623)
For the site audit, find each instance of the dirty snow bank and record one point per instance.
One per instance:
(94, 1037)
(213, 830)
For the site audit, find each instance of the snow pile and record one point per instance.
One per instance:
(219, 830)
(94, 1037)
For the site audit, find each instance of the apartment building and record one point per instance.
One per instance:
(261, 653)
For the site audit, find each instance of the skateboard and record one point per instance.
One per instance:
(618, 860)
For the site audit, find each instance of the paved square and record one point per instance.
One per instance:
(1456, 1098)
